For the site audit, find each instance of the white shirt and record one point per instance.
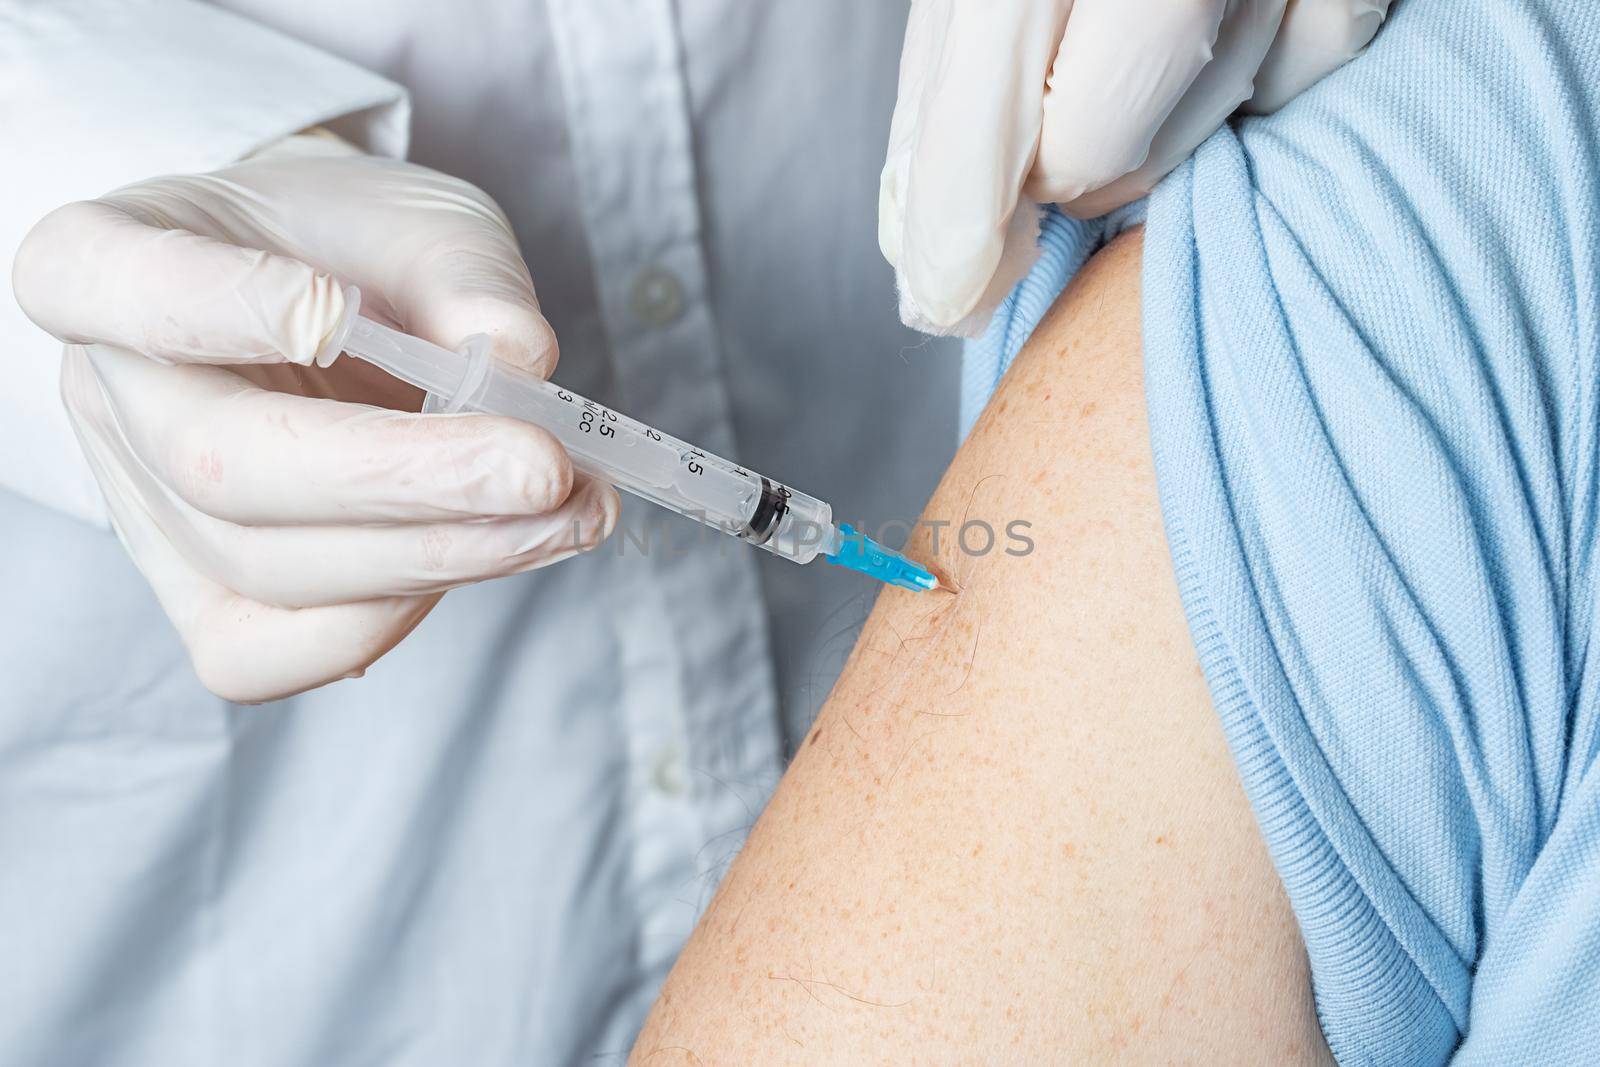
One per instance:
(489, 849)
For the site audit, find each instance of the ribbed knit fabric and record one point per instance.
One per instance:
(1372, 345)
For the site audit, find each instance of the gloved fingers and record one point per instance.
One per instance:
(257, 457)
(1123, 67)
(477, 293)
(1317, 37)
(976, 133)
(917, 56)
(295, 566)
(251, 653)
(1246, 34)
(432, 254)
(310, 566)
(468, 279)
(242, 650)
(92, 272)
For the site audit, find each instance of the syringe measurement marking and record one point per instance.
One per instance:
(594, 414)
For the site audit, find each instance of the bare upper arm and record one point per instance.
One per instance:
(1015, 833)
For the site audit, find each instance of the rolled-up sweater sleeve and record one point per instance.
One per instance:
(95, 94)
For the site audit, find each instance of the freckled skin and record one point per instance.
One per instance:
(1016, 835)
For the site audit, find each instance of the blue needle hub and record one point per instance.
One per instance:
(861, 553)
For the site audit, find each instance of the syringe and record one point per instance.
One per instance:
(627, 453)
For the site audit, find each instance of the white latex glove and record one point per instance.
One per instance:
(294, 527)
(1083, 103)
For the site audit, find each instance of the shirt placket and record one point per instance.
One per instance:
(698, 690)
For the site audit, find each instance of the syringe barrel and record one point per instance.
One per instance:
(660, 468)
(605, 444)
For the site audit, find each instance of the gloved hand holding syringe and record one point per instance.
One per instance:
(628, 454)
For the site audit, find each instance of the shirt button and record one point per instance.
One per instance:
(657, 297)
(668, 776)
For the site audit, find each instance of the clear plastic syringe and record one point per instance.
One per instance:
(623, 451)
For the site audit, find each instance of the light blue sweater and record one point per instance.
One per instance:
(1372, 352)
